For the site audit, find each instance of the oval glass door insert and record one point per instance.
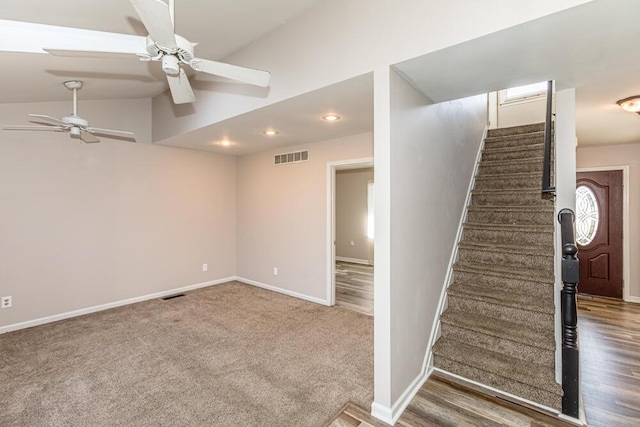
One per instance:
(587, 215)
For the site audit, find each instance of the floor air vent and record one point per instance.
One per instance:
(295, 157)
(172, 297)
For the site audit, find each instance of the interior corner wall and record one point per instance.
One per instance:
(351, 215)
(433, 153)
(621, 155)
(282, 216)
(83, 225)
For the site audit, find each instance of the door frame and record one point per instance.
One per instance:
(332, 167)
(626, 268)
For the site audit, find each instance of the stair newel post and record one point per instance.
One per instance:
(569, 314)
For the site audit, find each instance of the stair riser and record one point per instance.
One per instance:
(511, 217)
(508, 284)
(499, 345)
(513, 154)
(505, 259)
(502, 383)
(507, 182)
(530, 319)
(508, 236)
(490, 144)
(510, 199)
(515, 167)
(516, 130)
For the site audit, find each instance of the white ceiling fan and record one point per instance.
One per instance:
(173, 50)
(74, 124)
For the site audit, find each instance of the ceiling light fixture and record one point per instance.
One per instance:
(270, 132)
(224, 142)
(331, 117)
(631, 104)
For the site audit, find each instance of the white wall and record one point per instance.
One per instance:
(351, 214)
(336, 40)
(622, 155)
(282, 216)
(90, 224)
(433, 152)
(521, 113)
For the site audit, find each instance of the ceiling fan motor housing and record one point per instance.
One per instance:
(171, 58)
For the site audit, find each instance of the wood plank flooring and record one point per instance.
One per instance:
(609, 334)
(443, 403)
(354, 286)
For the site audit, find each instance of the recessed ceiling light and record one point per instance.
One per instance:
(631, 104)
(331, 117)
(270, 132)
(224, 142)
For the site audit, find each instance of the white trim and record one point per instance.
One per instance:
(282, 291)
(101, 307)
(366, 162)
(393, 414)
(353, 260)
(626, 265)
(496, 392)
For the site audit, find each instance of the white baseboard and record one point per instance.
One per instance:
(633, 299)
(101, 307)
(283, 291)
(353, 260)
(391, 415)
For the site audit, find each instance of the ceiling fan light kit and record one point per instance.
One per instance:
(173, 51)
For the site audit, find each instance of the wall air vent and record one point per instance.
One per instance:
(295, 157)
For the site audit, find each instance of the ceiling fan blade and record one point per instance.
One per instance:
(180, 88)
(88, 137)
(156, 18)
(92, 53)
(48, 120)
(112, 132)
(49, 128)
(234, 72)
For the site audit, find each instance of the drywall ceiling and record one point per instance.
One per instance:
(220, 27)
(298, 121)
(592, 47)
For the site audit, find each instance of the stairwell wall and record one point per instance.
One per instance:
(433, 152)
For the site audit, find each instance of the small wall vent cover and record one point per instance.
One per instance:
(294, 157)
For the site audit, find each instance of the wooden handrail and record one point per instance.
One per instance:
(548, 124)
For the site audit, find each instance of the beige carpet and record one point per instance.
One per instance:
(227, 355)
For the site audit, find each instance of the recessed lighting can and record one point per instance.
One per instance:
(270, 132)
(331, 117)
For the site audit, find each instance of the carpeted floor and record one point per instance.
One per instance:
(227, 355)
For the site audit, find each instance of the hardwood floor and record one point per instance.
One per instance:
(609, 334)
(442, 403)
(354, 286)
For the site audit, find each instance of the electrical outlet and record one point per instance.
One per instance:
(205, 267)
(352, 243)
(275, 271)
(5, 302)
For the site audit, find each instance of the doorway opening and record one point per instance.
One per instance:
(351, 235)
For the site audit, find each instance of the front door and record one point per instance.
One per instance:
(599, 232)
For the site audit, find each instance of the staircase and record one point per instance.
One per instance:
(498, 328)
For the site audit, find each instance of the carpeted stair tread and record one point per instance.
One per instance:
(541, 208)
(503, 329)
(532, 159)
(527, 373)
(546, 251)
(514, 175)
(516, 130)
(515, 152)
(501, 382)
(498, 271)
(499, 296)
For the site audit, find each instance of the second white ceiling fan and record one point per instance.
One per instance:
(173, 51)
